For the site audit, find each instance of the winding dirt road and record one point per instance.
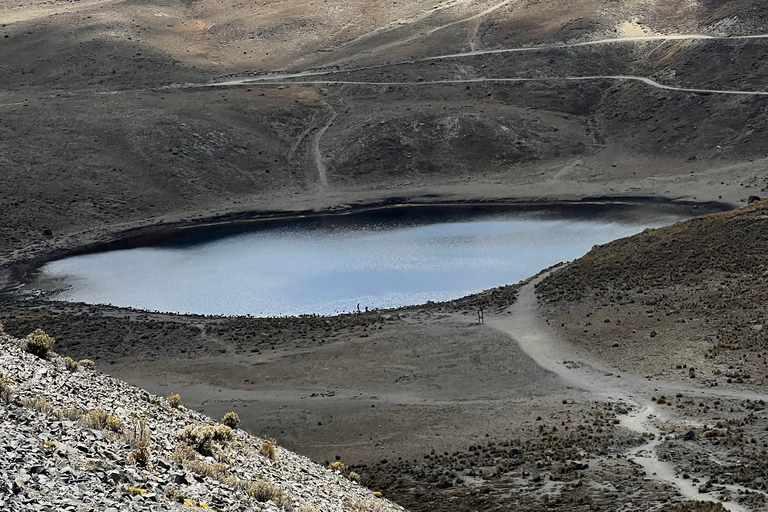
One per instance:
(292, 78)
(284, 80)
(524, 323)
(597, 42)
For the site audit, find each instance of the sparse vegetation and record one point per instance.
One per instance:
(134, 491)
(70, 364)
(113, 423)
(263, 491)
(140, 441)
(99, 419)
(696, 506)
(7, 389)
(365, 505)
(268, 449)
(215, 470)
(37, 403)
(87, 363)
(39, 343)
(71, 413)
(202, 437)
(174, 400)
(231, 419)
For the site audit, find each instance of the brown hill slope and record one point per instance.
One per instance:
(685, 301)
(92, 98)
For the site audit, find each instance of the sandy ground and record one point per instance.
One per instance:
(437, 382)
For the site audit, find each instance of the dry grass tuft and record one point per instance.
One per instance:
(231, 420)
(139, 439)
(202, 437)
(70, 364)
(87, 363)
(99, 419)
(7, 390)
(39, 343)
(71, 414)
(365, 505)
(269, 449)
(695, 506)
(174, 400)
(38, 403)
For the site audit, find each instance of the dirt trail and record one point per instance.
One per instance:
(524, 323)
(647, 81)
(400, 42)
(597, 42)
(317, 151)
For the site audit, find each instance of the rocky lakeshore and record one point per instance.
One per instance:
(76, 439)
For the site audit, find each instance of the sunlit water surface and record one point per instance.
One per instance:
(327, 268)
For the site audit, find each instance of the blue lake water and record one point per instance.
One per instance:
(330, 267)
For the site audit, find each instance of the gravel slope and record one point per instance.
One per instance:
(52, 458)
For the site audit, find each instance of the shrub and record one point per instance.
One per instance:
(114, 424)
(201, 437)
(99, 419)
(268, 449)
(284, 500)
(215, 470)
(223, 433)
(134, 491)
(183, 453)
(6, 389)
(355, 477)
(71, 413)
(87, 363)
(231, 419)
(696, 506)
(337, 466)
(96, 419)
(172, 494)
(365, 505)
(140, 442)
(174, 400)
(39, 343)
(264, 491)
(38, 404)
(70, 364)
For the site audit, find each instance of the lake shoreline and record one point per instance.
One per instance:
(20, 269)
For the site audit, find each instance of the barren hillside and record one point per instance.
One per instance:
(682, 302)
(102, 99)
